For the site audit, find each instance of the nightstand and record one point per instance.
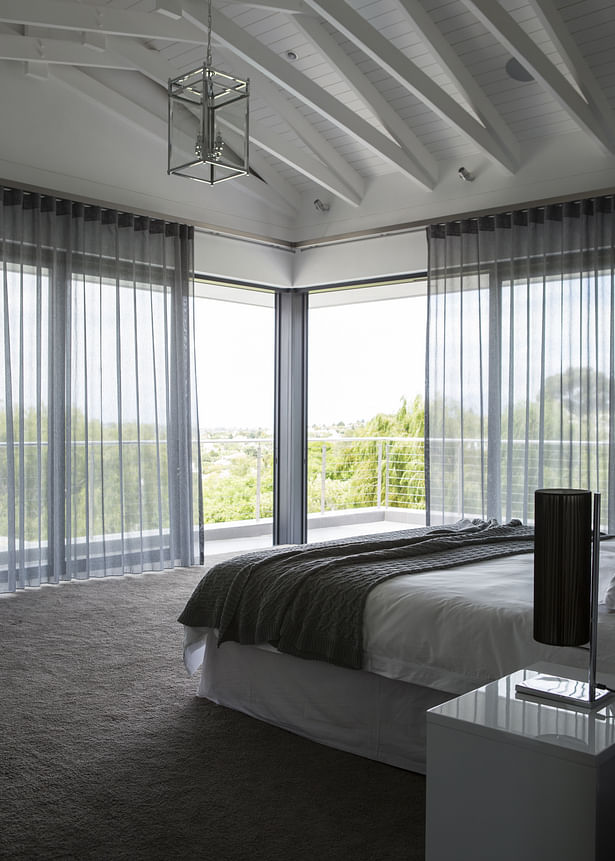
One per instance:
(514, 779)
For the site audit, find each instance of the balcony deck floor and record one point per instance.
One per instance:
(217, 546)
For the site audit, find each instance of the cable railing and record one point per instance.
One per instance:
(353, 473)
(459, 473)
(344, 474)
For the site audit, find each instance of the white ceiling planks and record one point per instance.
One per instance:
(367, 92)
(527, 52)
(270, 64)
(580, 70)
(347, 92)
(407, 73)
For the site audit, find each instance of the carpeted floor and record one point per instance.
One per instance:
(106, 753)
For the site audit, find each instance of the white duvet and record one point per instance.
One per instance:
(459, 628)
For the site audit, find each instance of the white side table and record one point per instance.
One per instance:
(512, 779)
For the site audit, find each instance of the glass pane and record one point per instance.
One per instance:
(24, 386)
(119, 496)
(366, 381)
(235, 338)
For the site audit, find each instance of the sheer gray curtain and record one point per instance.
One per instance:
(520, 360)
(98, 423)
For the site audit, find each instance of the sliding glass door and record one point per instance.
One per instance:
(366, 379)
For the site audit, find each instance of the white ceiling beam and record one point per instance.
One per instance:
(156, 67)
(306, 132)
(155, 124)
(495, 18)
(99, 19)
(567, 48)
(461, 77)
(408, 74)
(171, 8)
(302, 162)
(33, 49)
(254, 52)
(269, 174)
(366, 91)
(293, 7)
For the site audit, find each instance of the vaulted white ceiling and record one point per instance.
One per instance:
(370, 106)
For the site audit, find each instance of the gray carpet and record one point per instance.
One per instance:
(106, 752)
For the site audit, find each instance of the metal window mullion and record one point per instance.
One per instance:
(290, 419)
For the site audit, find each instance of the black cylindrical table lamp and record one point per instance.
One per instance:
(562, 566)
(566, 556)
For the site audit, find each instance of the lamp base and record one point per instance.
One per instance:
(562, 690)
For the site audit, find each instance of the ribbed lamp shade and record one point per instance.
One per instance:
(562, 566)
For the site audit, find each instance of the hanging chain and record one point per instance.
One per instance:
(208, 61)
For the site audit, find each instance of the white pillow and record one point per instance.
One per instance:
(606, 586)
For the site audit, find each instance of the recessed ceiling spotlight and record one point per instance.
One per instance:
(291, 55)
(517, 72)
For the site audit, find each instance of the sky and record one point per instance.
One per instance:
(363, 359)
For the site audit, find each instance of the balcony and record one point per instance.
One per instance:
(356, 485)
(363, 485)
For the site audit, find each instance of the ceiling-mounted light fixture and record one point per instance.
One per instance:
(217, 101)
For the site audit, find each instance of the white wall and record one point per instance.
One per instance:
(255, 263)
(377, 257)
(240, 260)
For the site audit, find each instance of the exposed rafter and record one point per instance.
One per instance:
(552, 22)
(159, 69)
(306, 132)
(290, 6)
(240, 43)
(366, 91)
(98, 19)
(461, 77)
(302, 162)
(57, 51)
(408, 74)
(527, 52)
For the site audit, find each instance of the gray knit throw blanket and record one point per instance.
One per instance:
(308, 600)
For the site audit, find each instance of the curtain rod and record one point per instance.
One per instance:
(335, 239)
(199, 226)
(416, 226)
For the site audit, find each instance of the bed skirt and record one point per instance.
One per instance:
(351, 710)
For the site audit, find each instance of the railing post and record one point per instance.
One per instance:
(379, 487)
(259, 463)
(386, 491)
(323, 477)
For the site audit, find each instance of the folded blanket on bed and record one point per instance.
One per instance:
(308, 600)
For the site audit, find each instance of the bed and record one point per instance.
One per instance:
(427, 636)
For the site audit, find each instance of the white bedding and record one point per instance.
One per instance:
(459, 628)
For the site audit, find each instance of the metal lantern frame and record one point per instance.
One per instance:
(214, 98)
